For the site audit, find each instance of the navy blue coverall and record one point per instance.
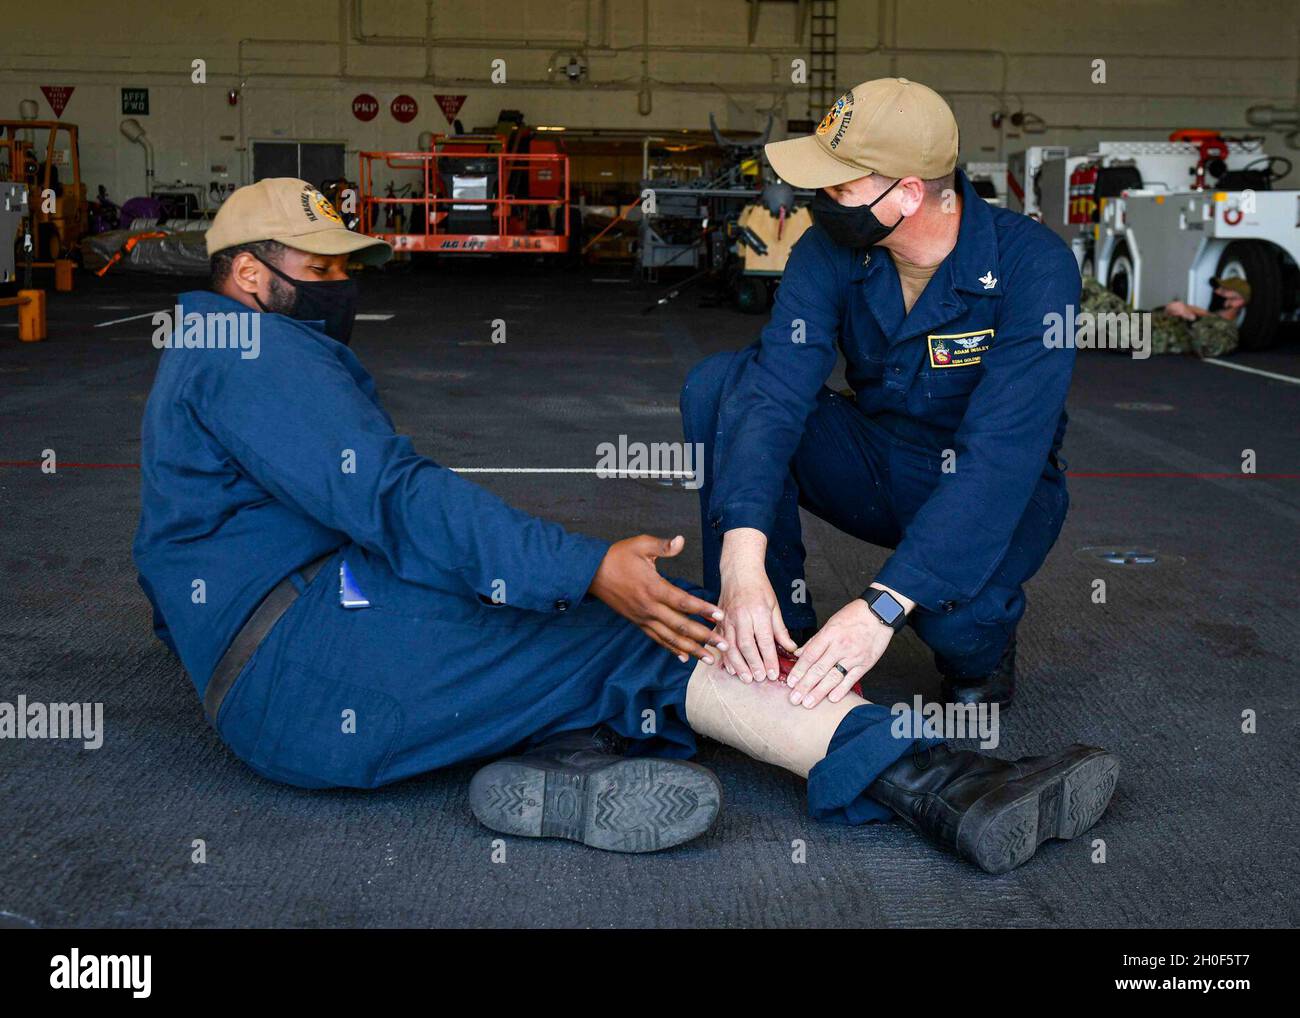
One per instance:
(252, 468)
(963, 380)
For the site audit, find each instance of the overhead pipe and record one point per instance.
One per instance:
(644, 97)
(645, 153)
(1267, 115)
(1277, 118)
(359, 36)
(132, 131)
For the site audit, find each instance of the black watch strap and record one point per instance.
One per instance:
(886, 607)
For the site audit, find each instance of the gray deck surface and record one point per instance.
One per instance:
(1202, 830)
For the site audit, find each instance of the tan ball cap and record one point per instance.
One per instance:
(290, 211)
(1234, 284)
(890, 126)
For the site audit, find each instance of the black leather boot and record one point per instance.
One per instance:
(577, 785)
(995, 813)
(999, 686)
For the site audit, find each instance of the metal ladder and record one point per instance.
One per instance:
(822, 89)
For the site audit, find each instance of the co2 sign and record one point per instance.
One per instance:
(365, 106)
(403, 109)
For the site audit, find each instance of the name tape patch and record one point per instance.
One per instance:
(960, 350)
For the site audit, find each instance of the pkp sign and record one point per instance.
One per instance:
(365, 107)
(404, 109)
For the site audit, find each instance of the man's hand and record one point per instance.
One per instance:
(854, 638)
(753, 625)
(628, 582)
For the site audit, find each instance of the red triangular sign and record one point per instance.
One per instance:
(450, 105)
(57, 96)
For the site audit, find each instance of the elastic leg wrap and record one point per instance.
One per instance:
(759, 720)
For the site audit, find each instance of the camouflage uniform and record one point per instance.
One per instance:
(1169, 334)
(1213, 336)
(1208, 336)
(1098, 300)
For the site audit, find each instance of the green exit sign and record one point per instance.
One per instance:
(135, 101)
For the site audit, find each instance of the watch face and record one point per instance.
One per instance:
(887, 608)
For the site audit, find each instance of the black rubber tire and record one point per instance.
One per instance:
(1263, 270)
(1121, 255)
(751, 295)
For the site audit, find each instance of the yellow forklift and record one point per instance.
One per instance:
(44, 204)
(56, 196)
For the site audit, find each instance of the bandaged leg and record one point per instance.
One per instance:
(759, 720)
(995, 813)
(840, 748)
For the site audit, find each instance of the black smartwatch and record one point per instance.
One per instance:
(885, 607)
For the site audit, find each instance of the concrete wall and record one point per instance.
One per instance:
(297, 65)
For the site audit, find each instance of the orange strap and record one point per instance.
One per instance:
(128, 247)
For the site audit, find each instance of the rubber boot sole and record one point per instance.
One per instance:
(641, 805)
(950, 693)
(1003, 829)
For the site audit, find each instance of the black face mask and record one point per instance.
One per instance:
(333, 301)
(851, 225)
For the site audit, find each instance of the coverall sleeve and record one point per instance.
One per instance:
(298, 423)
(962, 533)
(762, 416)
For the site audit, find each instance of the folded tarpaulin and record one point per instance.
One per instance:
(177, 254)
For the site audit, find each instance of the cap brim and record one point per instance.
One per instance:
(804, 163)
(368, 250)
(1223, 284)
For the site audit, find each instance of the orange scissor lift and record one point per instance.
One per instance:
(478, 197)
